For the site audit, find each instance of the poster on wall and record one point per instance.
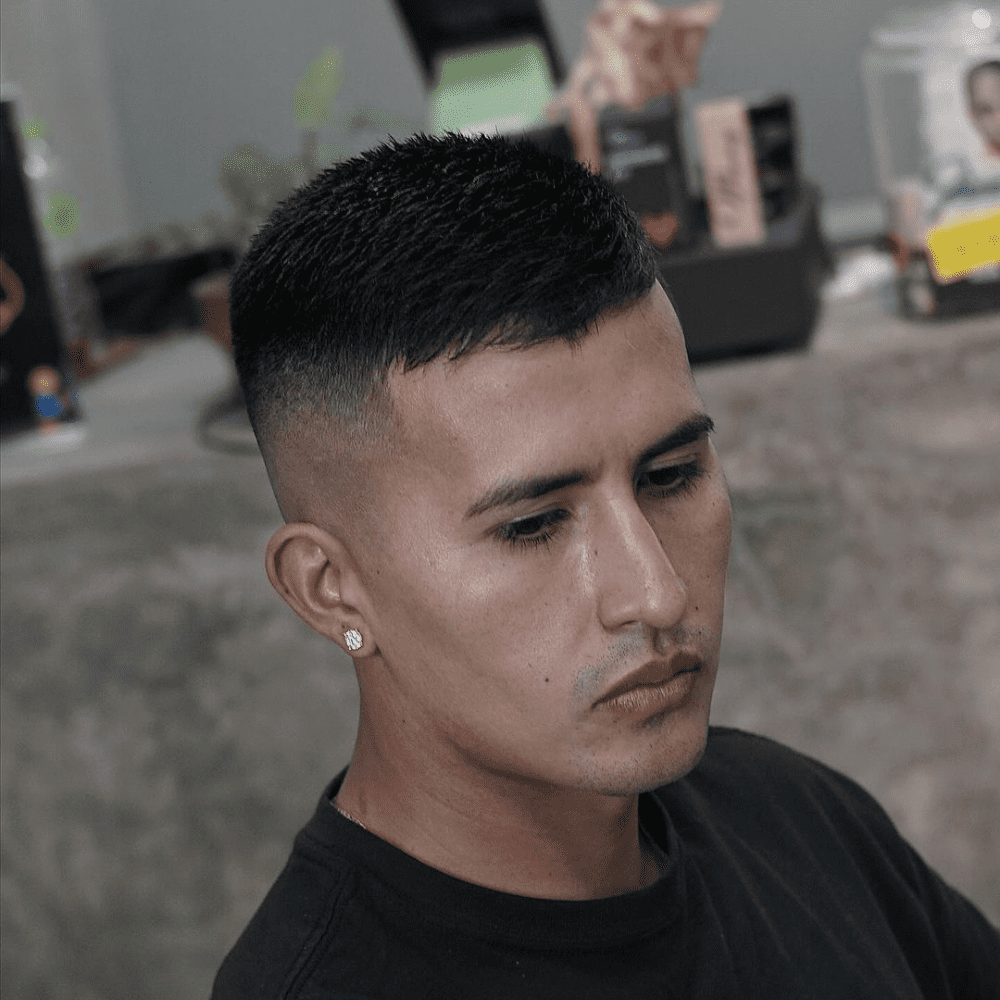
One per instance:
(35, 389)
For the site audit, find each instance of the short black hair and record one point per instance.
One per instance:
(426, 248)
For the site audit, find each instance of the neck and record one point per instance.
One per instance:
(513, 837)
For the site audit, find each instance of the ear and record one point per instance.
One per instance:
(315, 574)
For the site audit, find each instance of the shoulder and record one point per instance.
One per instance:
(759, 799)
(278, 946)
(728, 743)
(768, 808)
(767, 805)
(755, 761)
(759, 777)
(772, 832)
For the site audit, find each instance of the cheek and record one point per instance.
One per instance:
(714, 551)
(724, 522)
(697, 540)
(440, 599)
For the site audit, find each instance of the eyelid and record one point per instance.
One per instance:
(551, 519)
(682, 456)
(542, 511)
(672, 463)
(684, 476)
(556, 513)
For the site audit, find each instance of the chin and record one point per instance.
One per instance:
(673, 752)
(685, 758)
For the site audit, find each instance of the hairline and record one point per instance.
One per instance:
(371, 415)
(378, 422)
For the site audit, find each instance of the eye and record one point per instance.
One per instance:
(538, 529)
(670, 480)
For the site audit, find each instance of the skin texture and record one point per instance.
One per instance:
(480, 749)
(324, 471)
(984, 106)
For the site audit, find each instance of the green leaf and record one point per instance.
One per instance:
(62, 216)
(33, 128)
(317, 88)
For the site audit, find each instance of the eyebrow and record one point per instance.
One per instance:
(508, 492)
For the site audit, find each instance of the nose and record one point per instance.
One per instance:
(636, 581)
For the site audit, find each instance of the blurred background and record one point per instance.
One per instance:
(167, 724)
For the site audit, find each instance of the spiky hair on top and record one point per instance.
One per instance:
(426, 248)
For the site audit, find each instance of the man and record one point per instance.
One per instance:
(502, 501)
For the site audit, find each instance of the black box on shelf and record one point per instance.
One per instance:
(642, 155)
(437, 27)
(751, 299)
(148, 297)
(774, 134)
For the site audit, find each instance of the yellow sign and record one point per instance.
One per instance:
(965, 243)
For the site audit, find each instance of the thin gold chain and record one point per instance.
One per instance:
(347, 815)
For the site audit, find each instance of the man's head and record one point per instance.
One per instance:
(475, 406)
(430, 248)
(983, 91)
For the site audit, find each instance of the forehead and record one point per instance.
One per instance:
(500, 413)
(986, 81)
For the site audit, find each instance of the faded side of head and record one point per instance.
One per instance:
(416, 250)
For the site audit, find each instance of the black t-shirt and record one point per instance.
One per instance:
(782, 878)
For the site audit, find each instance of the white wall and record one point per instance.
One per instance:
(53, 63)
(190, 80)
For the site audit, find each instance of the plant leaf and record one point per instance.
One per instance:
(316, 90)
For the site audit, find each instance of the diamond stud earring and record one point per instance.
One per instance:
(353, 639)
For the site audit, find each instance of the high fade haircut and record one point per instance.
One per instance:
(428, 248)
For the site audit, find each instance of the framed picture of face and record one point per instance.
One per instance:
(961, 103)
(982, 87)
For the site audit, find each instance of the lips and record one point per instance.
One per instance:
(652, 674)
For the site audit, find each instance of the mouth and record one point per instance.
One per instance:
(659, 684)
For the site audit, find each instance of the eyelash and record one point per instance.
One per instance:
(544, 526)
(687, 474)
(543, 533)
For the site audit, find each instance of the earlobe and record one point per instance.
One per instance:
(307, 567)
